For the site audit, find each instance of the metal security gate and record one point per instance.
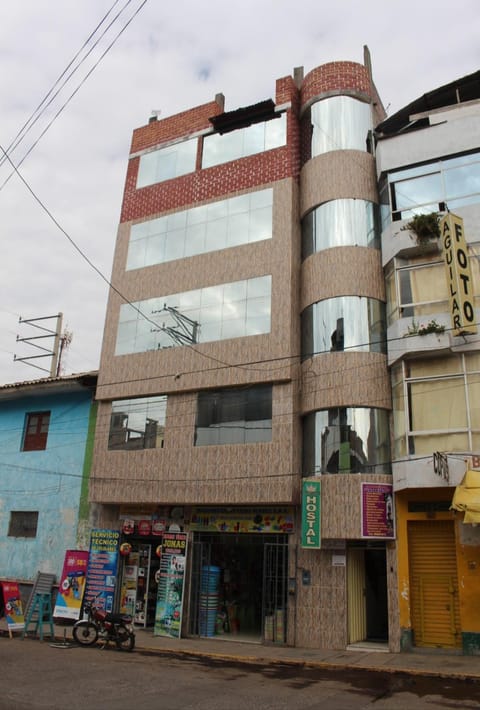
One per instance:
(261, 562)
(201, 557)
(435, 612)
(275, 592)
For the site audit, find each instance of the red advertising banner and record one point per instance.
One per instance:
(378, 518)
(13, 606)
(72, 585)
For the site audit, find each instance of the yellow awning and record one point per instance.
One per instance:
(467, 497)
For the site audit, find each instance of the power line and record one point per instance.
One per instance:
(60, 110)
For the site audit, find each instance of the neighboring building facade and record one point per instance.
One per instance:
(46, 439)
(250, 358)
(428, 158)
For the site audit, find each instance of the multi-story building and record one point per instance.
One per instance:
(46, 438)
(244, 355)
(428, 157)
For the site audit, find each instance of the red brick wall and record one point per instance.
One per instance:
(336, 76)
(204, 185)
(179, 126)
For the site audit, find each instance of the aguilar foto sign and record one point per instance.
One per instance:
(459, 276)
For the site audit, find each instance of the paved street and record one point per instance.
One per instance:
(38, 675)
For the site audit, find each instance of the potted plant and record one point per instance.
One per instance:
(425, 227)
(425, 328)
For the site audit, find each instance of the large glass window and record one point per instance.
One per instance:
(340, 123)
(427, 188)
(234, 416)
(238, 220)
(137, 423)
(337, 223)
(220, 148)
(231, 310)
(168, 162)
(419, 290)
(346, 440)
(436, 405)
(343, 323)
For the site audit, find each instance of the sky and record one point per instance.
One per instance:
(78, 76)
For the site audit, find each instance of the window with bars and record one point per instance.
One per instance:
(23, 523)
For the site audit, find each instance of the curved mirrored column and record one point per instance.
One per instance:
(344, 222)
(340, 123)
(346, 440)
(344, 323)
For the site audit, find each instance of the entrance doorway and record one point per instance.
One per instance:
(367, 594)
(241, 581)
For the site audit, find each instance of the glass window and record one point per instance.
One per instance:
(344, 323)
(345, 222)
(221, 148)
(167, 163)
(219, 225)
(346, 440)
(419, 290)
(23, 523)
(231, 310)
(36, 431)
(137, 423)
(426, 188)
(435, 405)
(234, 416)
(340, 123)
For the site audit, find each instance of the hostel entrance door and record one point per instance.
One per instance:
(367, 594)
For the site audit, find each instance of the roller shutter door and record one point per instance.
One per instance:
(434, 604)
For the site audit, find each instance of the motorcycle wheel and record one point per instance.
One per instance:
(124, 639)
(85, 633)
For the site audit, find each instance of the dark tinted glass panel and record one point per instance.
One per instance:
(234, 416)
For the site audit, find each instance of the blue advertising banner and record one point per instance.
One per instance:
(102, 567)
(168, 616)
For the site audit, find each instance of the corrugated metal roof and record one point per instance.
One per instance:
(82, 378)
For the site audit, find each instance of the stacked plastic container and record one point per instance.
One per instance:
(209, 598)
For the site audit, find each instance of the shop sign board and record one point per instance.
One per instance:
(378, 520)
(13, 606)
(311, 515)
(459, 276)
(171, 579)
(72, 585)
(242, 520)
(102, 567)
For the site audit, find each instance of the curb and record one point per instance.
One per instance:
(323, 665)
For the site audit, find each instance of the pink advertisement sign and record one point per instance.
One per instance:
(72, 585)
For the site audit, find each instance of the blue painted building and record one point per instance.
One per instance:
(46, 436)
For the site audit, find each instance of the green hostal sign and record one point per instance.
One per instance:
(311, 493)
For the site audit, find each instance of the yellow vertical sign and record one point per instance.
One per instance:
(459, 276)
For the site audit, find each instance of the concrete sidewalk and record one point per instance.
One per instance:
(436, 663)
(368, 657)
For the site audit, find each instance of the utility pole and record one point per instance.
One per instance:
(60, 342)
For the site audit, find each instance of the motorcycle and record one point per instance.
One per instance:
(105, 626)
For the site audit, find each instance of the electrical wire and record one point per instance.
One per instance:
(65, 104)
